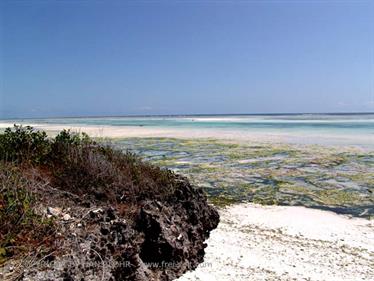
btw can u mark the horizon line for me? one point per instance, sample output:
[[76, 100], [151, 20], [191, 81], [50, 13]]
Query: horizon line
[[189, 114]]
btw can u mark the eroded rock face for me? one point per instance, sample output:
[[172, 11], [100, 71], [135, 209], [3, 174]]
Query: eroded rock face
[[174, 233], [164, 240]]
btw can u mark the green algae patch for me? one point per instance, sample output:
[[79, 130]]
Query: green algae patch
[[204, 168], [338, 197], [294, 189], [222, 201]]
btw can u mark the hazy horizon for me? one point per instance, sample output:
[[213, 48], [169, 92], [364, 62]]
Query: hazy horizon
[[78, 59]]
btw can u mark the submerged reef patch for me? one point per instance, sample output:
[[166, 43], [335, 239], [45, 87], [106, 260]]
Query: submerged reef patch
[[334, 178]]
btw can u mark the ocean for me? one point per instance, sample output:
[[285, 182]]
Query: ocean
[[353, 123], [349, 129]]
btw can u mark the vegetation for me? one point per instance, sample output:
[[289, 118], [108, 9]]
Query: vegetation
[[22, 229], [33, 165], [23, 144]]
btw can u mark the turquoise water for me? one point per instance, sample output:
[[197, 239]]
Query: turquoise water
[[324, 123]]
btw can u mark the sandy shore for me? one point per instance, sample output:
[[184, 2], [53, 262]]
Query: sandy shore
[[254, 242], [365, 141]]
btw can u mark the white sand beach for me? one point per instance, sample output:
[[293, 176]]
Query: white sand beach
[[254, 242], [306, 137]]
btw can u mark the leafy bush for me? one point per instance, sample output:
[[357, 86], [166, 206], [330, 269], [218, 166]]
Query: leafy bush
[[24, 144], [66, 137]]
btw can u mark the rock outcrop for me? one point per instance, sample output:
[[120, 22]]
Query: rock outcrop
[[161, 242], [75, 209]]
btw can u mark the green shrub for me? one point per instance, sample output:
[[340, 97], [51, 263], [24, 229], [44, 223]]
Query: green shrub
[[24, 144], [66, 137]]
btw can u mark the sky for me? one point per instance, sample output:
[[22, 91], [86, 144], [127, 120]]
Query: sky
[[93, 58]]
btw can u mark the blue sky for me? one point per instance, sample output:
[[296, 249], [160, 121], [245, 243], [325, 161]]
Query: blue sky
[[78, 58]]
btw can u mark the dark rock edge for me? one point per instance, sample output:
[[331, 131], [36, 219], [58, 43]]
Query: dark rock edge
[[163, 241]]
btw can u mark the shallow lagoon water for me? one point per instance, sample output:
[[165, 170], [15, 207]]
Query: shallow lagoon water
[[339, 179]]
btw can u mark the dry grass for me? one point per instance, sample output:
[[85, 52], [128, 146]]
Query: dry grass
[[22, 228]]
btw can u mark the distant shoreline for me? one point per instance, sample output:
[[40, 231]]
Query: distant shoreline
[[364, 141], [191, 115]]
